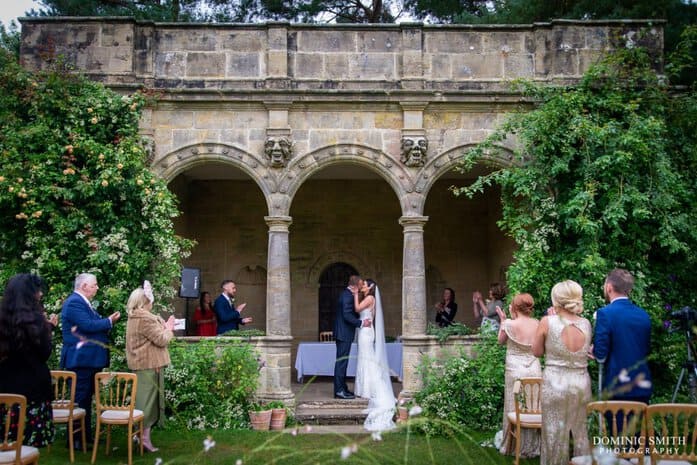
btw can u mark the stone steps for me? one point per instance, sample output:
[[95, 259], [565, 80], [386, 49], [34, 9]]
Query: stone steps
[[331, 412]]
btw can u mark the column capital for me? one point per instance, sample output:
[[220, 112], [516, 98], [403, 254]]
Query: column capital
[[278, 223], [413, 223]]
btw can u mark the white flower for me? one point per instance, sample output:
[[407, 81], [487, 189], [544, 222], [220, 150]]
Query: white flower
[[158, 461], [624, 376], [415, 410], [308, 428], [294, 431], [238, 462], [345, 452], [604, 456], [376, 436], [644, 384], [208, 444]]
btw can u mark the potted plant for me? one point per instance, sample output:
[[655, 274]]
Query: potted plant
[[403, 409], [278, 415], [259, 417]]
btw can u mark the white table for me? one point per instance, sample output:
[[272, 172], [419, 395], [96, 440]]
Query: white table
[[317, 358]]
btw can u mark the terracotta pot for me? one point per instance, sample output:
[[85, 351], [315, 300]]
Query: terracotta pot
[[278, 419], [403, 413], [260, 420]]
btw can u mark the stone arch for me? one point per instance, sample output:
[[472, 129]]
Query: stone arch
[[323, 261], [303, 167], [447, 160], [184, 158]]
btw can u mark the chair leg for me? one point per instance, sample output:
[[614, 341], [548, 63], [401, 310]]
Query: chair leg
[[129, 441], [140, 432], [108, 439], [84, 435], [517, 444], [96, 441], [71, 442]]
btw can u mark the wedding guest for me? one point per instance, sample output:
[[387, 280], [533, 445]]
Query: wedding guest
[[623, 341], [564, 337], [229, 316], [486, 311], [147, 337], [446, 308], [25, 346], [204, 316], [85, 344], [518, 333]]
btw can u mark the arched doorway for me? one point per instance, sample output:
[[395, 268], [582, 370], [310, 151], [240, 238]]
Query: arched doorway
[[332, 281]]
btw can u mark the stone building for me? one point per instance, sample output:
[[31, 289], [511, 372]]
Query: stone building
[[301, 153]]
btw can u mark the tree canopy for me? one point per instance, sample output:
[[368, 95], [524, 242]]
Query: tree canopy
[[76, 194]]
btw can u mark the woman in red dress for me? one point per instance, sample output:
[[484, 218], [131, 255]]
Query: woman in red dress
[[206, 323]]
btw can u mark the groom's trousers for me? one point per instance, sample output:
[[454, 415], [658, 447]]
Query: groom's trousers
[[343, 349]]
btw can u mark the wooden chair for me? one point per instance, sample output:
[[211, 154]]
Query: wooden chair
[[527, 393], [626, 438], [672, 433], [64, 409], [11, 450], [326, 336], [115, 395]]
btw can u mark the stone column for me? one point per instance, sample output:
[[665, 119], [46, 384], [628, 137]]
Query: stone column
[[278, 277], [275, 376], [413, 301]]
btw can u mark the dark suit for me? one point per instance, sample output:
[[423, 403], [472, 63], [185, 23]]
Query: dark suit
[[90, 356], [344, 331], [622, 342], [228, 317]]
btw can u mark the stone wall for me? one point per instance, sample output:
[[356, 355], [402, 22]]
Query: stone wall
[[301, 57]]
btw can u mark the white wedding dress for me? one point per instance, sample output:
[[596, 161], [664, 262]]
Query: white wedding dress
[[373, 373]]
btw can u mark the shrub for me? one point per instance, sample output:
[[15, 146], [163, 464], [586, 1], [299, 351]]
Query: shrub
[[463, 392], [210, 384]]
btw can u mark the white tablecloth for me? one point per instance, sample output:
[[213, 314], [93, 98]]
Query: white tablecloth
[[317, 358]]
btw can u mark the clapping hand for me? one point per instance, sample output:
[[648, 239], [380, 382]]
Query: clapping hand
[[114, 317], [247, 320], [240, 308], [169, 324], [501, 314], [53, 319]]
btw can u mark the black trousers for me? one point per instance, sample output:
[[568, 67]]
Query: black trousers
[[343, 349]]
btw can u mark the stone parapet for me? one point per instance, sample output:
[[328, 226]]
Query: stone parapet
[[301, 58]]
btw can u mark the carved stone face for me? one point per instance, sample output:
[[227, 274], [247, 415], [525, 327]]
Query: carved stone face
[[279, 150], [414, 151]]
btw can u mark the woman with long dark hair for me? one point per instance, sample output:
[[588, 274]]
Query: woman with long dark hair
[[25, 346], [204, 316], [446, 308]]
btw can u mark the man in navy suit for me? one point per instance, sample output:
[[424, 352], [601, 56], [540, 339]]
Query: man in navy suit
[[344, 331], [229, 317], [622, 341], [85, 341]]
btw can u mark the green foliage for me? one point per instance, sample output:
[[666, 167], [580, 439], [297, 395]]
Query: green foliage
[[603, 176], [10, 38], [455, 329], [76, 194], [210, 384], [463, 392]]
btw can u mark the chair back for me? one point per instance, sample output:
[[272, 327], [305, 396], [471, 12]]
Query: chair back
[[115, 391], [527, 393], [326, 336], [63, 389], [619, 426], [13, 403], [672, 432]]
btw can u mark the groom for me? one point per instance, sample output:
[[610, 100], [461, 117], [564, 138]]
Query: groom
[[344, 330]]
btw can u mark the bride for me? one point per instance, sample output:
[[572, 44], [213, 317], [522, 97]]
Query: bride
[[372, 371]]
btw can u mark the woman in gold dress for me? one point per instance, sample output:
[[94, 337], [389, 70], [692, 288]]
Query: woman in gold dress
[[564, 337], [518, 333]]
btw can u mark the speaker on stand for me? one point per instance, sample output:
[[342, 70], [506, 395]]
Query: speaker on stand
[[190, 288]]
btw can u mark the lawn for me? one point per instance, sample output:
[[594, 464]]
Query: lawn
[[187, 447]]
